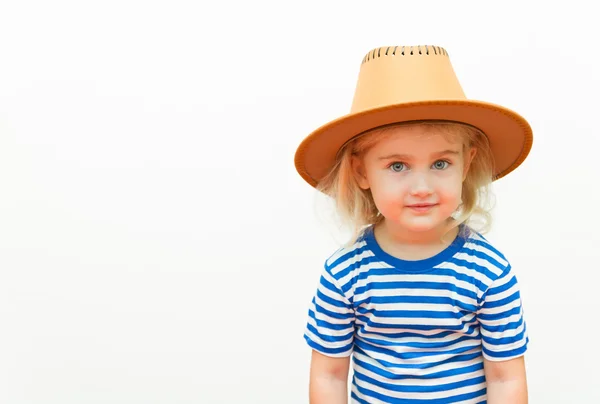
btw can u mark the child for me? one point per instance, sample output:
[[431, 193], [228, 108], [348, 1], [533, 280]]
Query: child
[[427, 308]]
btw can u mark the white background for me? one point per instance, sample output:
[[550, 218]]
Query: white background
[[156, 243]]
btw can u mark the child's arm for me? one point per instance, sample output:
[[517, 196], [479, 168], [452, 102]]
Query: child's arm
[[506, 381], [328, 379]]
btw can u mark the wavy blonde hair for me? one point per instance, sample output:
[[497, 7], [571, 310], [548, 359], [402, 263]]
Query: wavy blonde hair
[[356, 207]]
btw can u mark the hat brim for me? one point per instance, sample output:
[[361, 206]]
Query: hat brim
[[509, 134]]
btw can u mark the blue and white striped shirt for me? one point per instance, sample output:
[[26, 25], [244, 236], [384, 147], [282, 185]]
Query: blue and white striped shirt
[[418, 330]]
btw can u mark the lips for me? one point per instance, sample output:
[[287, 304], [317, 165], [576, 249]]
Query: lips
[[421, 207]]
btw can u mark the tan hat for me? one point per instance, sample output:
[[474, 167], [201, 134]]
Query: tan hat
[[412, 83]]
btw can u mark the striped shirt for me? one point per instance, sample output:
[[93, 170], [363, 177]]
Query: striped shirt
[[418, 330]]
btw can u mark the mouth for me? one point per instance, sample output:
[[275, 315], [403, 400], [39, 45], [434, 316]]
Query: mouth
[[422, 207]]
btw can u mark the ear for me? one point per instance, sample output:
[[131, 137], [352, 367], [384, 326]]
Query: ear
[[469, 156], [359, 172]]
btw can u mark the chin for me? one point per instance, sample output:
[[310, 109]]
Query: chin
[[420, 227], [421, 224]]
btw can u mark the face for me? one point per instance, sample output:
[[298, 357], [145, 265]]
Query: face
[[415, 175]]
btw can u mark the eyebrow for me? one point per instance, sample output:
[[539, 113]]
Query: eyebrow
[[408, 157]]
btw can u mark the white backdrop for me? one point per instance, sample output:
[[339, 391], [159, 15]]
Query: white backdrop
[[156, 243]]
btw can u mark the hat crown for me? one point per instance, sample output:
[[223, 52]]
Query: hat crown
[[403, 74]]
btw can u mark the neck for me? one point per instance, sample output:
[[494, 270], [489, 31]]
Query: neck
[[431, 237], [414, 245]]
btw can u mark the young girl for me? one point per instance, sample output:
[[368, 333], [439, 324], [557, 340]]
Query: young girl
[[428, 309]]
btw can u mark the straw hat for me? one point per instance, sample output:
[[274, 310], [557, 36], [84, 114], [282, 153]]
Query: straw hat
[[411, 83]]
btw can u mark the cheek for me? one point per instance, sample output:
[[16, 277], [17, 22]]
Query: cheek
[[450, 192], [388, 192]]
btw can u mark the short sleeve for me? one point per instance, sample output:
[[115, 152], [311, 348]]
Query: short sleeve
[[330, 326], [502, 323]]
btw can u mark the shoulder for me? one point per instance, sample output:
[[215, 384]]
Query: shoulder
[[483, 257], [342, 266]]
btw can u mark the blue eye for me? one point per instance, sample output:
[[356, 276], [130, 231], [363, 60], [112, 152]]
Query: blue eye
[[440, 164], [397, 167]]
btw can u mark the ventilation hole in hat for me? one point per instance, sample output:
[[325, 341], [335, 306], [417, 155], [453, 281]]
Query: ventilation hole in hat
[[404, 51]]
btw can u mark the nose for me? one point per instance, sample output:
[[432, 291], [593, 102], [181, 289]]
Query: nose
[[420, 186]]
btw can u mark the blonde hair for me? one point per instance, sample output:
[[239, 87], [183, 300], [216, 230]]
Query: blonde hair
[[356, 207]]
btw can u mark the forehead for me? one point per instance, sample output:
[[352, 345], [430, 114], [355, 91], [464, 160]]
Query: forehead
[[417, 138]]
